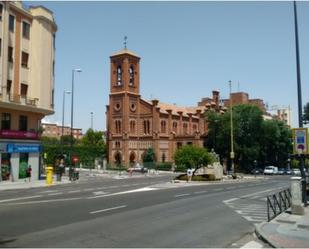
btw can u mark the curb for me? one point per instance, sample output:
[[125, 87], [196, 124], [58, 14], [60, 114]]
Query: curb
[[260, 234]]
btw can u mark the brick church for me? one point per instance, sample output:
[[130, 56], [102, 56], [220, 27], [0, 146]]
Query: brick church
[[135, 124]]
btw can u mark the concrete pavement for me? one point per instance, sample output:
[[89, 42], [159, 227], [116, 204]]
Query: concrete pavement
[[286, 230]]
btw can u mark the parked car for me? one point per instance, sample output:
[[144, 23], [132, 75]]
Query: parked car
[[139, 169], [270, 170], [281, 171], [288, 172], [296, 172], [257, 171]]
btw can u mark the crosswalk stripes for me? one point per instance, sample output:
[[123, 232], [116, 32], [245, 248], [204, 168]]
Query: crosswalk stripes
[[252, 209]]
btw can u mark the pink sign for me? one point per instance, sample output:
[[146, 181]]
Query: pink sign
[[19, 134]]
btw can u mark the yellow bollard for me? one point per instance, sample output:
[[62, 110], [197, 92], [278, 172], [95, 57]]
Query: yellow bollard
[[49, 175]]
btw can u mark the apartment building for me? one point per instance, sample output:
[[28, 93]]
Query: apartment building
[[27, 61], [56, 131]]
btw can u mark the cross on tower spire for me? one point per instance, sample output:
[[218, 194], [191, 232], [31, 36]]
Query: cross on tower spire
[[125, 42]]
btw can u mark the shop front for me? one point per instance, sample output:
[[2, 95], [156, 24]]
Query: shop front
[[16, 157]]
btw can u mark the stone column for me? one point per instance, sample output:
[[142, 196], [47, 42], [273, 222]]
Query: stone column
[[296, 191], [34, 162], [14, 167]]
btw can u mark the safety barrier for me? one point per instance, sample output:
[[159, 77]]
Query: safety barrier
[[278, 203]]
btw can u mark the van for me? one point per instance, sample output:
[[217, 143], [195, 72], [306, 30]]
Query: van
[[270, 170]]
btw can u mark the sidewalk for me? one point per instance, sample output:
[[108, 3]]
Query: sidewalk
[[286, 230], [22, 184]]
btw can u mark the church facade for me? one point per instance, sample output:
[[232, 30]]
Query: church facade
[[135, 124]]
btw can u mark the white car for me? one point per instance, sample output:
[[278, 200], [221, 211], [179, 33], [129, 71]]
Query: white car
[[270, 170], [296, 172]]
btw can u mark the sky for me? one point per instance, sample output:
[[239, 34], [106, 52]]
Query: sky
[[187, 50]]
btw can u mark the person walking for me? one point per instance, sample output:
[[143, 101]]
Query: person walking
[[189, 174], [28, 172]]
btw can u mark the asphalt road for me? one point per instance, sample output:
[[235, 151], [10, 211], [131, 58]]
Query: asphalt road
[[137, 212]]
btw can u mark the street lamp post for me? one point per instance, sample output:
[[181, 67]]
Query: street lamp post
[[231, 121], [72, 104], [300, 114], [63, 102], [91, 113]]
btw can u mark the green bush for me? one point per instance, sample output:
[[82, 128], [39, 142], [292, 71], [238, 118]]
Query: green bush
[[180, 168], [164, 166], [115, 167]]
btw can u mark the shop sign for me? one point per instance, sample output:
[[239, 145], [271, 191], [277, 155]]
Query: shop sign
[[19, 134], [23, 148]]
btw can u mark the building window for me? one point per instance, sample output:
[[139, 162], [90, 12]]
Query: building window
[[26, 30], [23, 123], [119, 76], [24, 59], [6, 121], [118, 126], [146, 127], [23, 90], [11, 23], [175, 126], [10, 54], [8, 86], [185, 128], [163, 126], [131, 72], [132, 126], [194, 128], [163, 158]]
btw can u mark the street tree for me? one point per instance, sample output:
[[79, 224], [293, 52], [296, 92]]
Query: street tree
[[191, 156]]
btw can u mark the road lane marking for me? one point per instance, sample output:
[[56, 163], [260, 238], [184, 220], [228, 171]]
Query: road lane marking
[[264, 191], [89, 189], [44, 201], [180, 195], [48, 191], [230, 200], [218, 189], [107, 209], [201, 192], [252, 244], [124, 192], [59, 193], [100, 193], [21, 198]]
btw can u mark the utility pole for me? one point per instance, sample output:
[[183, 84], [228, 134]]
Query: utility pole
[[232, 136]]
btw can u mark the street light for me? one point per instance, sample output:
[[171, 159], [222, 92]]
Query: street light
[[64, 92], [232, 138], [72, 104], [91, 113]]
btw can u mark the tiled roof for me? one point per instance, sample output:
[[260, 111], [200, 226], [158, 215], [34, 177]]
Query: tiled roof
[[125, 51]]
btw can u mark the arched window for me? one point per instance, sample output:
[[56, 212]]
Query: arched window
[[117, 158], [175, 126], [119, 76], [163, 158], [163, 126], [131, 73], [132, 126]]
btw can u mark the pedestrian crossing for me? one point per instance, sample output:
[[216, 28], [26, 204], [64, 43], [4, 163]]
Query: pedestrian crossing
[[253, 209]]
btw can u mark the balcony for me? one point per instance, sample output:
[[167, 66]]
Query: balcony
[[11, 134]]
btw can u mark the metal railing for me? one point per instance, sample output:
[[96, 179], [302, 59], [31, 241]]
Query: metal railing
[[278, 203]]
